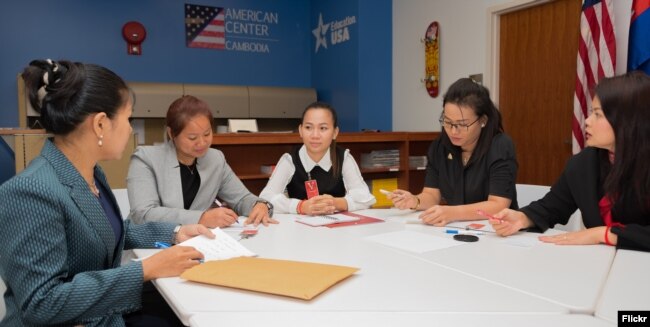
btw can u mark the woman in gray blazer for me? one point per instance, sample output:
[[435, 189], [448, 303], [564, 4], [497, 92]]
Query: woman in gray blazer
[[179, 180], [62, 235]]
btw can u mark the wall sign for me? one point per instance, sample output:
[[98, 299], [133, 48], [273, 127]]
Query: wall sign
[[229, 29], [338, 31]]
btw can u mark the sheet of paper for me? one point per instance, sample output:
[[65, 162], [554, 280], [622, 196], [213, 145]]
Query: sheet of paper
[[413, 241], [465, 225], [223, 246]]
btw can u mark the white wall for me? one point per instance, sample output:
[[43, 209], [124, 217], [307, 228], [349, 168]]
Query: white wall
[[462, 52], [622, 16]]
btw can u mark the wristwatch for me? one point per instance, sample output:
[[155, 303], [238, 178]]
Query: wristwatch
[[176, 230], [268, 205]]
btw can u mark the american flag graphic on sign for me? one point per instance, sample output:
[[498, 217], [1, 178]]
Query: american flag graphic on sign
[[596, 59], [204, 27]]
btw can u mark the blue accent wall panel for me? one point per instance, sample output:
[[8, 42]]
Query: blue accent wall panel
[[352, 67], [375, 64], [335, 70]]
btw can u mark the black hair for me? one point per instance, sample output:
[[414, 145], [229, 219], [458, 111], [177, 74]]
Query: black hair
[[326, 106], [182, 110], [625, 101], [467, 93], [65, 93]]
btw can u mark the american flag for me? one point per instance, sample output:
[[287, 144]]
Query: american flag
[[204, 27], [638, 53], [596, 59]]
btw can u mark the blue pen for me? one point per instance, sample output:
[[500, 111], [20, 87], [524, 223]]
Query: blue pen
[[161, 245], [458, 231]]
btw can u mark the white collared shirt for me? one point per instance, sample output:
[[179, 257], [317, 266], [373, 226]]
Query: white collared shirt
[[357, 195]]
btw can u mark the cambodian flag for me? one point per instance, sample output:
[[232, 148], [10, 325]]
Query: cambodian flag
[[638, 51]]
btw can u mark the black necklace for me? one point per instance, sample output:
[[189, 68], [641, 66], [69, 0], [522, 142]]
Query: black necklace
[[191, 167]]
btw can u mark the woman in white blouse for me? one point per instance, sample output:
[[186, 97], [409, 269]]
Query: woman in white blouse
[[318, 177]]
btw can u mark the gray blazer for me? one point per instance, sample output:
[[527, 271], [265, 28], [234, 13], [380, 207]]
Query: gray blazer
[[156, 193], [59, 257]]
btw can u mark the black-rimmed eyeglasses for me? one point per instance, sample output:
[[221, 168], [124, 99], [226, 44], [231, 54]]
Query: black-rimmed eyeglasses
[[448, 125]]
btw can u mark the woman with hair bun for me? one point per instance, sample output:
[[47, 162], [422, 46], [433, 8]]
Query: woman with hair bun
[[62, 235]]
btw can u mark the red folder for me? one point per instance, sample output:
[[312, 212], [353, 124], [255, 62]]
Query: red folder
[[363, 220]]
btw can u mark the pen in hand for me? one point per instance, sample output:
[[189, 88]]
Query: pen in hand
[[231, 216], [485, 214], [161, 245]]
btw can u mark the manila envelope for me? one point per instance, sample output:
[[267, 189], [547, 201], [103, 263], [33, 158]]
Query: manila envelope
[[303, 280]]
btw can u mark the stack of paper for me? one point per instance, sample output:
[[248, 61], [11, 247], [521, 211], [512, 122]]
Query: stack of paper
[[380, 159], [223, 246]]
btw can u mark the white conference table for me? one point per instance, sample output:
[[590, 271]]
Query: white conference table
[[571, 276], [470, 279], [391, 319], [627, 287]]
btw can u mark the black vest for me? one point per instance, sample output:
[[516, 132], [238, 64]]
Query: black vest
[[326, 182]]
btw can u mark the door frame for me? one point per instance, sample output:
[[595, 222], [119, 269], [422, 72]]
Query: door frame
[[493, 38]]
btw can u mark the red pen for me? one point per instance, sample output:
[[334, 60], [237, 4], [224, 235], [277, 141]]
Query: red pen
[[485, 214]]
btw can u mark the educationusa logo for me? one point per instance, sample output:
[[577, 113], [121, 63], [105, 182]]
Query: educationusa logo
[[633, 318], [338, 31]]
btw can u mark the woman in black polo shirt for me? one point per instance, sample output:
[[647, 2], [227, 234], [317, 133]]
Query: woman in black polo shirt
[[471, 166]]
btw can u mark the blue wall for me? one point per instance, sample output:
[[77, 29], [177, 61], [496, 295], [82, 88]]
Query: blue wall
[[90, 31], [335, 72], [353, 75], [375, 65]]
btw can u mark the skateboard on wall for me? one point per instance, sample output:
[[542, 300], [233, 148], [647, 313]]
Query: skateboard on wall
[[432, 59]]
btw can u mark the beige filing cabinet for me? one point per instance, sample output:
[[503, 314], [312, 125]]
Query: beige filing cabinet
[[27, 144]]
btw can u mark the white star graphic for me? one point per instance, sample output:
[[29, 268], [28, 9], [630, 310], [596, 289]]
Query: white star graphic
[[319, 32]]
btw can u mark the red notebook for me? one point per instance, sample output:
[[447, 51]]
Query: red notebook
[[362, 220]]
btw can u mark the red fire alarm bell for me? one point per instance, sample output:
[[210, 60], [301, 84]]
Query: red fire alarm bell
[[134, 34]]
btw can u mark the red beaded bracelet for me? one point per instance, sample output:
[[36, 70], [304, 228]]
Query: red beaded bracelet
[[607, 236], [299, 208]]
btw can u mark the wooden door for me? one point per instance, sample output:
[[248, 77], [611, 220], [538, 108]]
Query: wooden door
[[537, 71]]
